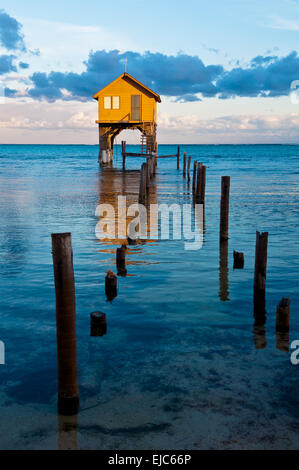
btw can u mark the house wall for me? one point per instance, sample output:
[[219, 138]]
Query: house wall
[[124, 89]]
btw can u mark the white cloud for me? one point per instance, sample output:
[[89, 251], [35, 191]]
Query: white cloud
[[277, 22]]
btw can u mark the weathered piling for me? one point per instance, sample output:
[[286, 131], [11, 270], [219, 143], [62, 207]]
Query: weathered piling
[[68, 392], [184, 165], [202, 191], [148, 177], [224, 207], [198, 181], [178, 158], [283, 325], [123, 151], [260, 340], [142, 184], [67, 438], [110, 285], [98, 324], [260, 271], [238, 260], [283, 315], [194, 177], [223, 271], [121, 260], [188, 169]]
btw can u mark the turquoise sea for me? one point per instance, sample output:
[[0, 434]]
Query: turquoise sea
[[181, 366]]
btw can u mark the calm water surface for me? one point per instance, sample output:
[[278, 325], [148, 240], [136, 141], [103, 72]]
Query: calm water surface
[[181, 366]]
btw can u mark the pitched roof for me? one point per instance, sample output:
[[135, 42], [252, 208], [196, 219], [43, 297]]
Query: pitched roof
[[132, 79]]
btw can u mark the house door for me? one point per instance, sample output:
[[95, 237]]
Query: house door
[[136, 108]]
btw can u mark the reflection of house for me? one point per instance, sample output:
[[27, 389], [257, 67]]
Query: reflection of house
[[126, 104]]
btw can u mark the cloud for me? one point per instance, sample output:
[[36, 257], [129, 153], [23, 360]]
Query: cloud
[[11, 36], [23, 65], [184, 77], [7, 64]]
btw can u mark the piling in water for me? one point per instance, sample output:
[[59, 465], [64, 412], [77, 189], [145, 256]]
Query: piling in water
[[283, 315], [223, 271], [238, 260], [194, 177], [198, 181], [68, 392], [98, 324], [178, 158], [142, 184], [111, 285], [188, 169], [224, 207], [184, 165], [121, 260], [260, 271], [202, 191], [123, 151]]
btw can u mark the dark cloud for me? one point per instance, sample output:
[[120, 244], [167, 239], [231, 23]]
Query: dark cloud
[[267, 76], [11, 36], [7, 64], [24, 65], [184, 77]]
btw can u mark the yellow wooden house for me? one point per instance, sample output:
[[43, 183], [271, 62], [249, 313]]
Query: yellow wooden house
[[126, 104]]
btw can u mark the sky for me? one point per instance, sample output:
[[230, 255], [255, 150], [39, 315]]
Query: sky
[[227, 72]]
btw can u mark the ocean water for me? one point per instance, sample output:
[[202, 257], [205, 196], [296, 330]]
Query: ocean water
[[181, 366]]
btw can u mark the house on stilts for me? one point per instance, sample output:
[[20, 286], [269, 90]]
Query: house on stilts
[[126, 104]]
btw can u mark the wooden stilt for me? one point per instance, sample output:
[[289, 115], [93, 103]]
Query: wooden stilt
[[142, 185], [260, 271], [238, 260], [111, 285], [68, 392], [98, 324], [202, 191], [184, 165], [198, 181], [224, 207], [194, 177], [178, 158], [188, 169], [283, 315], [121, 260], [123, 145]]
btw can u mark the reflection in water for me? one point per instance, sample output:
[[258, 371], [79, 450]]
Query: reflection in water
[[260, 340], [120, 189], [67, 432], [223, 270], [282, 341]]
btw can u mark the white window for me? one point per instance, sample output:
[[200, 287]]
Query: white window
[[115, 102], [107, 102]]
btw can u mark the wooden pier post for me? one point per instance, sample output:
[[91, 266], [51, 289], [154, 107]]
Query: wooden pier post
[[98, 324], [142, 185], [194, 177], [110, 285], [223, 271], [178, 158], [123, 151], [283, 315], [238, 260], [260, 271], [184, 165], [68, 392], [198, 181], [224, 207], [121, 260], [188, 169], [202, 193]]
